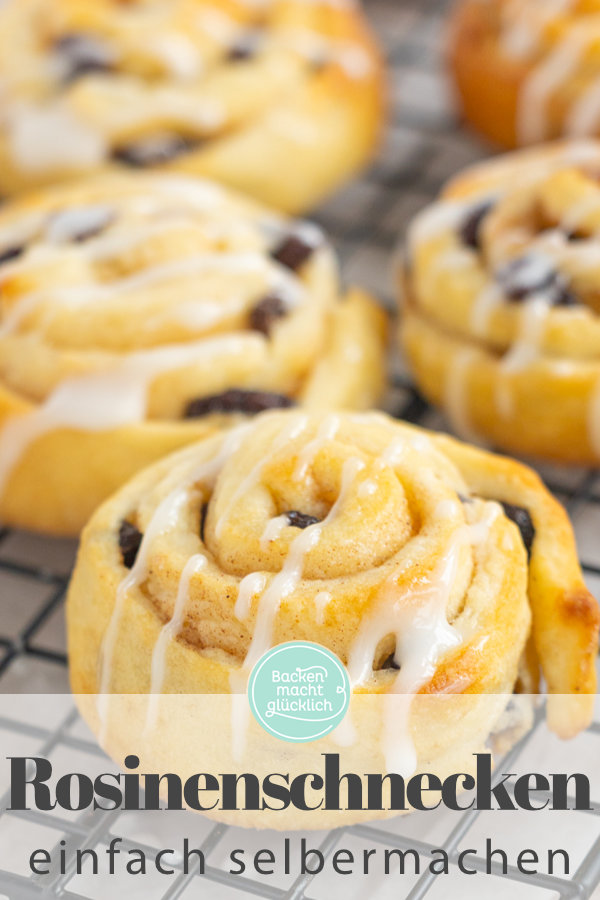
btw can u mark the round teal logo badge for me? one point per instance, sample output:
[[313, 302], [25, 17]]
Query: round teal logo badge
[[299, 691]]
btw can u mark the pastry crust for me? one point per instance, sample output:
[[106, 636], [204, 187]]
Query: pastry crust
[[501, 322], [128, 302], [281, 99], [527, 71], [409, 557]]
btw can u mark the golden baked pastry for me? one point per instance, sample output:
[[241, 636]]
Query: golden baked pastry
[[528, 71], [281, 99], [138, 313], [423, 563], [501, 320]]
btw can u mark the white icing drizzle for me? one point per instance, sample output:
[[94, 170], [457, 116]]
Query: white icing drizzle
[[393, 453], [354, 60], [327, 432], [322, 601], [70, 223], [50, 138], [420, 627], [273, 530], [88, 402], [282, 585], [522, 27], [312, 45], [169, 633], [580, 152], [489, 299], [446, 509], [309, 233], [250, 586], [165, 519], [525, 350], [423, 637], [519, 40], [417, 617], [584, 116], [178, 53], [548, 76], [195, 193], [286, 581], [289, 433], [435, 220]]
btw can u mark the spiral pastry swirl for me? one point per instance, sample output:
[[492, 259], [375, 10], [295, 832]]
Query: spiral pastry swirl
[[501, 316], [140, 313], [527, 71], [281, 99], [395, 548]]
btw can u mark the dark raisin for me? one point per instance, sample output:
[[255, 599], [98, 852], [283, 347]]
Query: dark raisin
[[319, 62], [522, 519], [566, 298], [390, 662], [534, 274], [82, 54], [154, 150], [87, 235], [11, 253], [470, 231], [300, 520], [244, 48], [236, 400], [130, 539], [203, 514], [240, 52], [266, 312], [293, 252]]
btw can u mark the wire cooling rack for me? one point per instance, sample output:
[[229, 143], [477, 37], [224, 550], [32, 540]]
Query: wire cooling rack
[[424, 146]]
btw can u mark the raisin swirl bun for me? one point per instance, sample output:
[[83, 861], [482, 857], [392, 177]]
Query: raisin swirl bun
[[501, 321], [281, 99], [138, 313], [425, 564], [527, 71]]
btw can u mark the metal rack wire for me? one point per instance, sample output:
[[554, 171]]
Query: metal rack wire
[[424, 146]]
